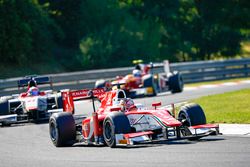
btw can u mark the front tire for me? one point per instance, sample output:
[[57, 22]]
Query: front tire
[[62, 129], [115, 123], [191, 115], [4, 106]]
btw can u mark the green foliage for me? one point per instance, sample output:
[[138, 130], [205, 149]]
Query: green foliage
[[77, 35], [15, 39], [26, 36], [123, 42], [205, 30]]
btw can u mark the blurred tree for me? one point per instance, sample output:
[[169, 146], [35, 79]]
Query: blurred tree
[[27, 33], [116, 35], [85, 34], [204, 30], [178, 30], [67, 15], [15, 36], [164, 14]]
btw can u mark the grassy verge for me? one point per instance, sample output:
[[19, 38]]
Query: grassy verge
[[231, 107], [217, 82]]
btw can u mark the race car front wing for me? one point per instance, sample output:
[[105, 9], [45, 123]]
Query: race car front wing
[[173, 133]]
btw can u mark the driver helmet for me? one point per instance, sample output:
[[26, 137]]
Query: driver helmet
[[126, 104], [129, 103], [32, 83], [137, 73], [33, 91], [138, 67]]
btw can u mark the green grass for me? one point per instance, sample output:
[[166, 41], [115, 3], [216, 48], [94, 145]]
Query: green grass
[[216, 82], [231, 107]]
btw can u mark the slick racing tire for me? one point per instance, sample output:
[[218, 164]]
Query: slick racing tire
[[175, 82], [191, 115], [4, 110], [115, 123], [148, 81], [4, 106], [51, 101], [55, 102], [59, 101], [62, 129]]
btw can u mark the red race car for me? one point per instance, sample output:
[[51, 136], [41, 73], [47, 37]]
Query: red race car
[[144, 82], [119, 121]]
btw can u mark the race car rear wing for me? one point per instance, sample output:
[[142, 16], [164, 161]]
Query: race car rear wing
[[39, 80], [68, 97]]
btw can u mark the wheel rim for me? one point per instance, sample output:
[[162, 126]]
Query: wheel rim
[[53, 132], [108, 131], [184, 117]]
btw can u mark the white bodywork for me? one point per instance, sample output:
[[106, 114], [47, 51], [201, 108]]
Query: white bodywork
[[143, 91], [140, 91], [142, 122], [201, 131], [34, 103], [30, 103]]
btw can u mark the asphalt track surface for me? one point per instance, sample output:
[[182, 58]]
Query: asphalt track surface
[[30, 145]]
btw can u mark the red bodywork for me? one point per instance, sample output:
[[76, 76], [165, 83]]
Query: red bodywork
[[131, 82], [26, 94], [93, 125]]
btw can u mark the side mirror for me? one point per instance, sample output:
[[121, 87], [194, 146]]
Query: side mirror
[[115, 109], [156, 104]]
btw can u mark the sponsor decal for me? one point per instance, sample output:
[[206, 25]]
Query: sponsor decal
[[124, 141], [150, 90]]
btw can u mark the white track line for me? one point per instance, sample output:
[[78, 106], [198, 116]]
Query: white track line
[[190, 88], [229, 83], [246, 81], [217, 85], [208, 86]]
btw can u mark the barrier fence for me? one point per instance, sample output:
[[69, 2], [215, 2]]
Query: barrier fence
[[198, 71]]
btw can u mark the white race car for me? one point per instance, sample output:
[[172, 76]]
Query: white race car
[[33, 105]]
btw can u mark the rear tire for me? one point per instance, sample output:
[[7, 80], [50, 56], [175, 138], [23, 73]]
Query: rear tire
[[175, 82], [59, 101], [148, 81], [50, 102], [62, 129], [115, 123]]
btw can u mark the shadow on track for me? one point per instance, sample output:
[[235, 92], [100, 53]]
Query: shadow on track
[[24, 123], [155, 144]]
